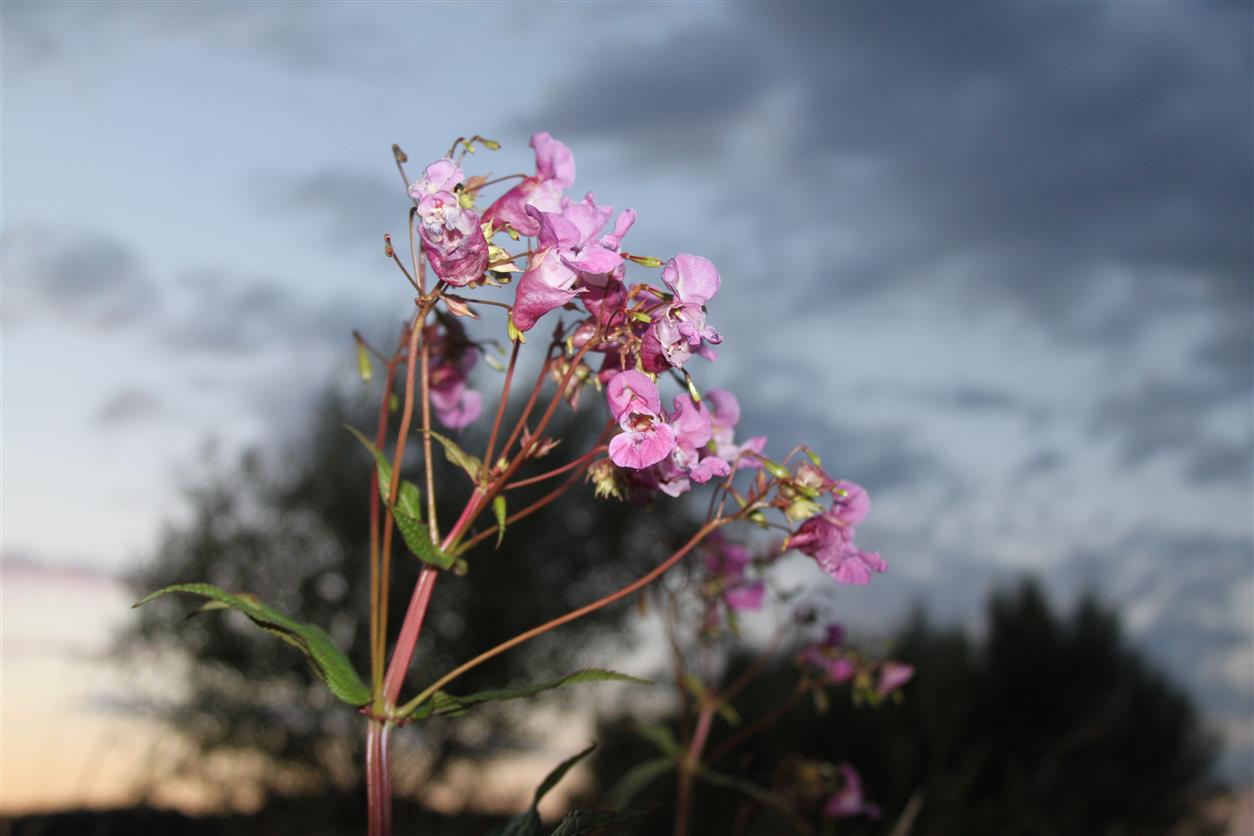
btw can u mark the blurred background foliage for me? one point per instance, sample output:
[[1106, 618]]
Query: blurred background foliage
[[1047, 723]]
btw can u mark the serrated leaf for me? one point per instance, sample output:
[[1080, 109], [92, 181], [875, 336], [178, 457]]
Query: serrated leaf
[[498, 508], [444, 704], [528, 823], [407, 512], [409, 499], [328, 661], [586, 821], [639, 777], [417, 538], [457, 455]]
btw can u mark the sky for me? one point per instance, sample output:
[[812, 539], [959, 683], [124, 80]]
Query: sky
[[993, 261]]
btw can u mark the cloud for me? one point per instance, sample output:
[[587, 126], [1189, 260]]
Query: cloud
[[40, 36], [1050, 147], [129, 405], [1161, 416], [94, 278], [352, 206]]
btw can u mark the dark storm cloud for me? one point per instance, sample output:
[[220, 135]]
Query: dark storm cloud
[[1050, 141], [880, 458], [351, 206]]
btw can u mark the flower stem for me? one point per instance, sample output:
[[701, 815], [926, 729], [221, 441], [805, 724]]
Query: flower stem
[[378, 778]]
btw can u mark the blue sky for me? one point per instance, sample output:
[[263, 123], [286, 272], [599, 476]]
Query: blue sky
[[993, 260]]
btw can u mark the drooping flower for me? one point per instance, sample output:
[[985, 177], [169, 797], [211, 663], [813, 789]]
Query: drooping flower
[[452, 237], [679, 327], [830, 542], [555, 171], [646, 438]]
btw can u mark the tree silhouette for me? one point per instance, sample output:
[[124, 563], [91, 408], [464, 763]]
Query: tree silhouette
[[1046, 726]]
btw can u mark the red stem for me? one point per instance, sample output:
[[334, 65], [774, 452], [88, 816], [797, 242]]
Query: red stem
[[407, 641]]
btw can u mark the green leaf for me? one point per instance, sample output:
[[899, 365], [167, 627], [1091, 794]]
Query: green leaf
[[407, 511], [458, 456], [449, 705], [417, 538], [586, 821], [328, 661], [498, 508], [639, 777], [527, 823], [382, 465], [363, 361], [559, 772]]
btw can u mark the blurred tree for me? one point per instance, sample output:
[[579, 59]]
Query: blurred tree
[[293, 529], [1047, 726]]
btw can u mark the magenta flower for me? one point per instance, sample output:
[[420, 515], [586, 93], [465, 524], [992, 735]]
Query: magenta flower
[[849, 801], [555, 171], [451, 235], [679, 327], [571, 247], [646, 438], [830, 542]]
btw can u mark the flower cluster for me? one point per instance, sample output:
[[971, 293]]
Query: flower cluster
[[828, 536], [643, 333]]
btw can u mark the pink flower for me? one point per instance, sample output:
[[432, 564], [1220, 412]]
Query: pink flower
[[456, 405], [849, 801], [830, 542], [451, 235], [646, 438], [555, 171], [678, 328], [572, 253], [724, 416]]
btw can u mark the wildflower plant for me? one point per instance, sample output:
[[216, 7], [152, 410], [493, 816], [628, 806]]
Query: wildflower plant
[[630, 330]]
